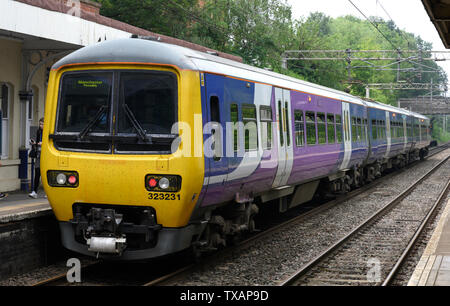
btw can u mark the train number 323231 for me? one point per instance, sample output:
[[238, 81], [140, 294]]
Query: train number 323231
[[164, 196]]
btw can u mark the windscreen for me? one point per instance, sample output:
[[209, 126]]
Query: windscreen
[[151, 99], [83, 97], [121, 110]]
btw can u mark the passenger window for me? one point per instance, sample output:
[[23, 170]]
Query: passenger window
[[365, 127], [215, 110], [331, 129], [235, 119], [288, 129], [339, 128], [299, 128], [354, 130], [215, 117], [250, 127], [374, 130], [382, 129], [280, 123], [311, 137], [321, 128], [392, 130], [359, 125], [266, 126]]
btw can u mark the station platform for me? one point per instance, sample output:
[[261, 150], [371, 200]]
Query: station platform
[[433, 268], [19, 206]]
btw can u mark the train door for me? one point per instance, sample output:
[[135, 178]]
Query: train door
[[347, 136], [284, 132], [214, 129], [405, 134], [388, 134]]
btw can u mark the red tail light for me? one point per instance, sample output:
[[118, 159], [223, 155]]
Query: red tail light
[[152, 182], [72, 179]]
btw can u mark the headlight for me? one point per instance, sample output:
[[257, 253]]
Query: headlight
[[57, 178], [61, 179], [162, 183]]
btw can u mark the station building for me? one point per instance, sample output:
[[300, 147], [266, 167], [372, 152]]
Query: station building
[[34, 34]]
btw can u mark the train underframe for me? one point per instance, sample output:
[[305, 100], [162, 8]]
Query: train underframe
[[133, 232], [227, 223]]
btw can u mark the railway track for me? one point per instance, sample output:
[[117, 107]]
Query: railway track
[[374, 251], [173, 275]]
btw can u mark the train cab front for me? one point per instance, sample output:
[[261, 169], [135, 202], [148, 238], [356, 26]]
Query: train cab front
[[110, 159]]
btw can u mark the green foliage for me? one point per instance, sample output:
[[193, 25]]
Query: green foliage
[[439, 133], [162, 17], [261, 30]]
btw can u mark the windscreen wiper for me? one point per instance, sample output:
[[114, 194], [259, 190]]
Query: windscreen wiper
[[140, 131], [93, 122]]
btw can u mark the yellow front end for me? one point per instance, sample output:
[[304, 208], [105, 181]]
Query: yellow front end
[[120, 179]]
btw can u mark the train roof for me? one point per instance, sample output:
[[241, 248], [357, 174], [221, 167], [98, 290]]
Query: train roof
[[420, 116], [133, 50], [130, 51], [387, 107]]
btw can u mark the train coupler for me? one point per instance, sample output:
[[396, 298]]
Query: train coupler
[[108, 245], [111, 229]]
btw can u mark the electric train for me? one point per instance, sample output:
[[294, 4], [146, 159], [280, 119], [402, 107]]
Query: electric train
[[151, 148]]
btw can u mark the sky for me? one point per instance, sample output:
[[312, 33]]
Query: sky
[[408, 15]]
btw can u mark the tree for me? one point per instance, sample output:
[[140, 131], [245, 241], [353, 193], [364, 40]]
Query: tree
[[164, 17]]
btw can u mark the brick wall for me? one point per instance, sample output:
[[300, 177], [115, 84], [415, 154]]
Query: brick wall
[[29, 244]]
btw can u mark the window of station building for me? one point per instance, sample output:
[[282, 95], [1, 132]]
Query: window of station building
[[265, 113], [234, 116], [339, 128], [321, 128], [331, 129], [299, 128], [250, 127], [311, 138]]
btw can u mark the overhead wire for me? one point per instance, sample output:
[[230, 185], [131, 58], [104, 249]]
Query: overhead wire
[[375, 26], [384, 36], [401, 32]]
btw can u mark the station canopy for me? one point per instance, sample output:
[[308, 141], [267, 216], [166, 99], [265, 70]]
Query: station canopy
[[439, 12]]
